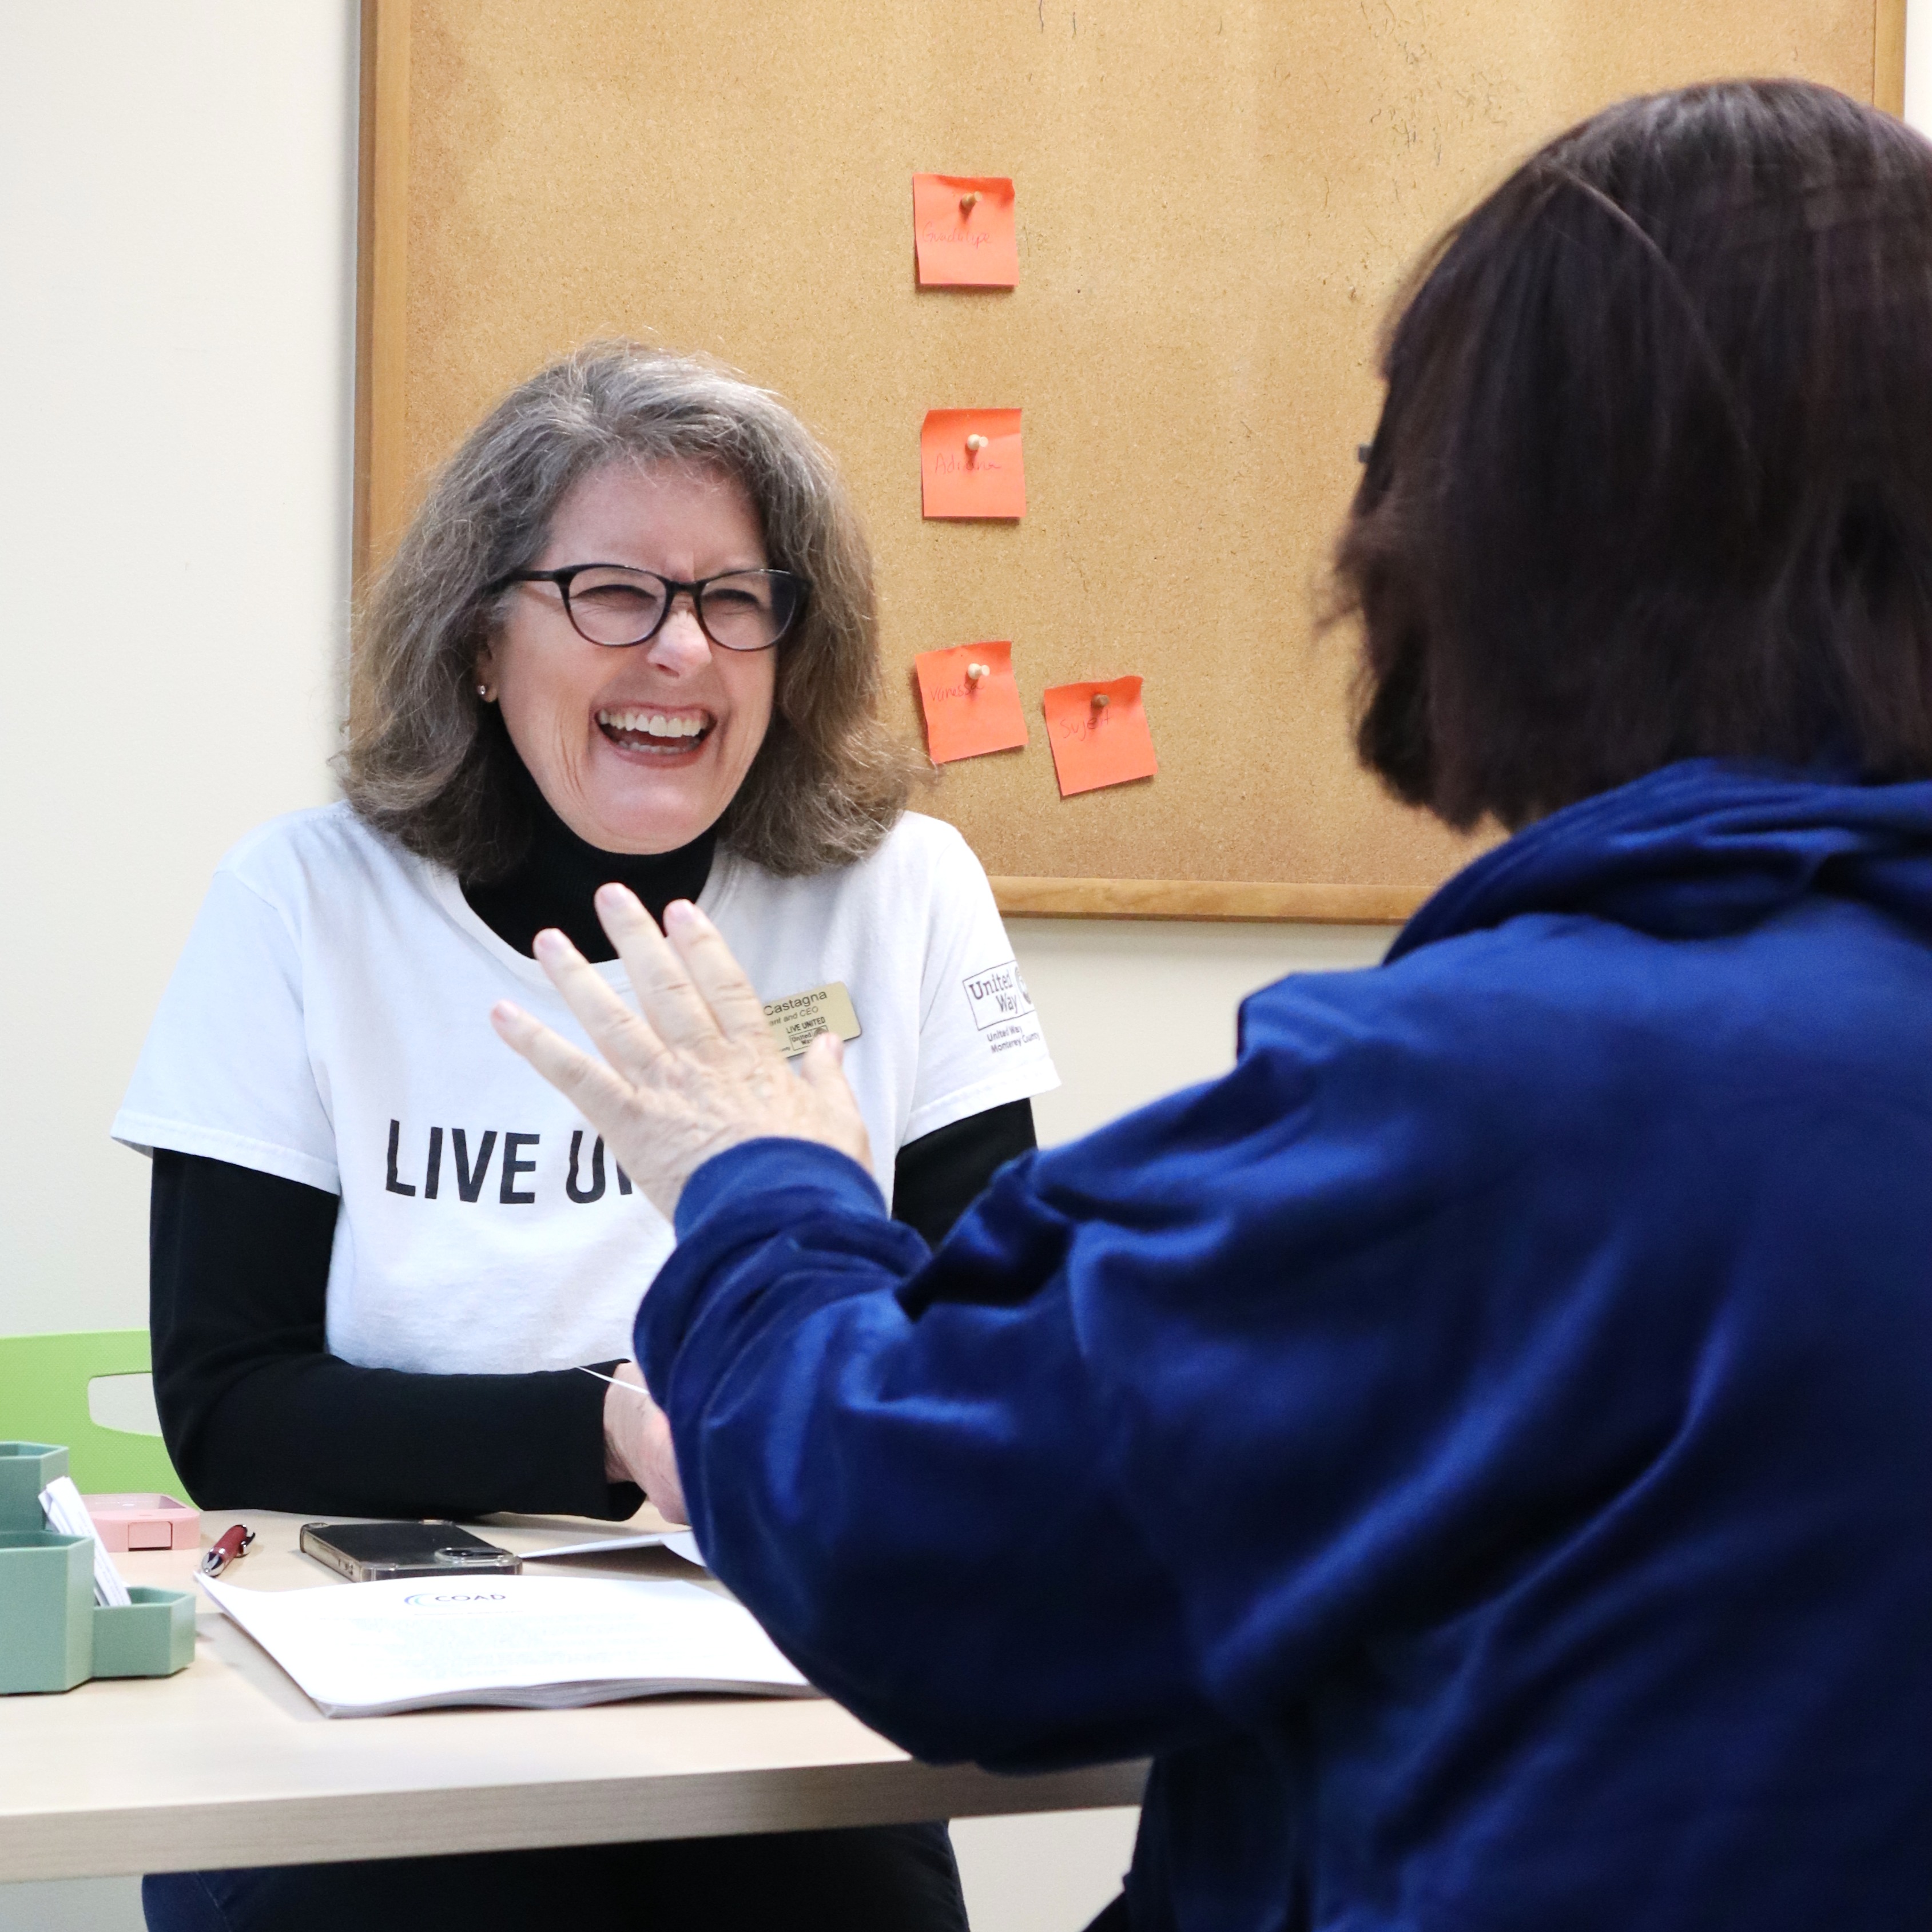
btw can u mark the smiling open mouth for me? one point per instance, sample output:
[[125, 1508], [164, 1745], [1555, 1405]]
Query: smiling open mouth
[[638, 728]]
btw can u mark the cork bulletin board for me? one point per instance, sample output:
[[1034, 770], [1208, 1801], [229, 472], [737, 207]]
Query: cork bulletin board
[[1215, 200]]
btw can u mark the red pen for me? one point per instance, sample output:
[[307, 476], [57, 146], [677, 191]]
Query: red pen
[[230, 1544]]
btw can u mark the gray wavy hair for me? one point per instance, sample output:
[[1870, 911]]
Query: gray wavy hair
[[427, 763]]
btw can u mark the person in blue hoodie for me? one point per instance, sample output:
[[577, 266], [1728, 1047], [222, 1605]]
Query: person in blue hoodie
[[1481, 1447]]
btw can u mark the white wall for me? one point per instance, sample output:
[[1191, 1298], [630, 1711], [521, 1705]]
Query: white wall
[[176, 241], [1133, 1009], [176, 230]]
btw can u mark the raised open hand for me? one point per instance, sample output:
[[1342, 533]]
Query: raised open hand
[[694, 1069]]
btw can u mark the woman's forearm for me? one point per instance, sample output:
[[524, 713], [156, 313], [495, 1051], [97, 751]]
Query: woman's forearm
[[939, 1176], [256, 1412]]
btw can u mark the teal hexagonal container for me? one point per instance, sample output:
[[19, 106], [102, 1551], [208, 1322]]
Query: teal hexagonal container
[[47, 1609], [26, 1469], [152, 1636]]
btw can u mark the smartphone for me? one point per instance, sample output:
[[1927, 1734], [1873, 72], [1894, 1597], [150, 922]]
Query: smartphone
[[366, 1552]]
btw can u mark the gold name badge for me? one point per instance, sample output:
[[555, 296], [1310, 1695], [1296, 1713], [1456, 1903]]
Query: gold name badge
[[796, 1021]]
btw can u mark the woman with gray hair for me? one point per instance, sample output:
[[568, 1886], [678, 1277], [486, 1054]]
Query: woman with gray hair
[[630, 636]]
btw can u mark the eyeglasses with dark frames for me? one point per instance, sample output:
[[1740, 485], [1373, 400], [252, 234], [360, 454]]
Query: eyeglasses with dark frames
[[613, 605]]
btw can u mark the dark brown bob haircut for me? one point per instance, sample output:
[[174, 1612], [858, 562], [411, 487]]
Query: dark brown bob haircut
[[428, 763], [1653, 478]]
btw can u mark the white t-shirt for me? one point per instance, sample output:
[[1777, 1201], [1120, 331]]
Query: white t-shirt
[[329, 1022]]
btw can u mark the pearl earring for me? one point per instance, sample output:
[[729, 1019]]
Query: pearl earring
[[483, 692]]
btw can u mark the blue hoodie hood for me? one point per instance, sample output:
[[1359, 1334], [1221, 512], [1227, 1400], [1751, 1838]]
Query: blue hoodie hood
[[1700, 849]]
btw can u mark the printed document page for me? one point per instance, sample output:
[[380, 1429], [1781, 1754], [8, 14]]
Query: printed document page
[[363, 1650]]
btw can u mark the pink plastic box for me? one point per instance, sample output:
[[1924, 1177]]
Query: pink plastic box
[[145, 1521]]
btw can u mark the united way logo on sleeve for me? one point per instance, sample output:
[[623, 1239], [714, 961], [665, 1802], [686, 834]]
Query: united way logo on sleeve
[[1001, 1009]]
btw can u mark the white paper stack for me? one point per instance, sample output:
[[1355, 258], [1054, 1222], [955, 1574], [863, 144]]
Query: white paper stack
[[679, 1542], [363, 1650], [62, 1505]]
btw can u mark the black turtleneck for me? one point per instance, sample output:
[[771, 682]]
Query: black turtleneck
[[255, 1410], [555, 881]]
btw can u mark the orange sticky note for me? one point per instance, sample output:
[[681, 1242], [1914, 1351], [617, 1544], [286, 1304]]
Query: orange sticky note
[[1096, 745], [970, 465], [963, 232], [966, 715]]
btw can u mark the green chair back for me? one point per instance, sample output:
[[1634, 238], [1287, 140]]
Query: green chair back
[[43, 1385]]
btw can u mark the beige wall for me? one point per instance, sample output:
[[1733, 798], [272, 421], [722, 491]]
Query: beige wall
[[177, 236], [1134, 1010], [177, 248]]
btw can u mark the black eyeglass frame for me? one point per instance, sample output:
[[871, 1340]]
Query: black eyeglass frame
[[672, 586]]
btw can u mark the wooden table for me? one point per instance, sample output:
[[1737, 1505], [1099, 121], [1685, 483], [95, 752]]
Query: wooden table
[[229, 1764]]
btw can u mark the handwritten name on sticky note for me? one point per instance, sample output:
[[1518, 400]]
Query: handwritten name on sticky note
[[1099, 733], [963, 232], [970, 464], [971, 702]]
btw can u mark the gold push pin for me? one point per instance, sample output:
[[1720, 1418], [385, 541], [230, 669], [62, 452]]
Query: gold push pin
[[974, 672], [1100, 700], [974, 444], [968, 202]]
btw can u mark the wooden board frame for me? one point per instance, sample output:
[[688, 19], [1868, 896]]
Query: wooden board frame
[[1888, 57], [382, 281], [382, 478]]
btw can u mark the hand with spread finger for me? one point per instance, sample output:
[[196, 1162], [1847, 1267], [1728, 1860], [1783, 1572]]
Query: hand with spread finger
[[693, 1069]]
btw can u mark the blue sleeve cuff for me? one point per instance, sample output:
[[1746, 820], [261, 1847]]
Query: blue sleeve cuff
[[733, 1207], [764, 1166]]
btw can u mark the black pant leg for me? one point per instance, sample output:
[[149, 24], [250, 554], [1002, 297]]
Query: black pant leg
[[883, 1878]]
